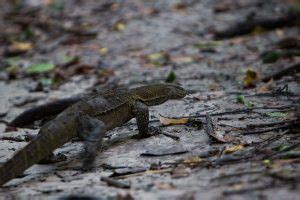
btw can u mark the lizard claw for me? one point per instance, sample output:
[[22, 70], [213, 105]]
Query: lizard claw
[[87, 164], [53, 159], [154, 131], [151, 131]]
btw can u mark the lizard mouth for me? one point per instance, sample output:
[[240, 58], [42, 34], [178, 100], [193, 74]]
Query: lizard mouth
[[182, 93], [178, 92]]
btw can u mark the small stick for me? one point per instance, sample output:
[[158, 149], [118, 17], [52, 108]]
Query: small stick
[[15, 139], [248, 189], [283, 72], [269, 124], [174, 137], [115, 183], [237, 111], [269, 129], [291, 147], [225, 176]]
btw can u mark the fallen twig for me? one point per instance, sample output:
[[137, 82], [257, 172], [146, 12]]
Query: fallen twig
[[282, 72], [251, 126], [15, 139], [270, 129], [270, 140], [161, 171], [174, 137], [115, 183], [248, 189], [279, 154], [225, 176], [248, 26], [164, 152], [242, 110]]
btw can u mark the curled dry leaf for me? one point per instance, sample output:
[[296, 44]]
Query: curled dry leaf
[[265, 87], [216, 134], [173, 121]]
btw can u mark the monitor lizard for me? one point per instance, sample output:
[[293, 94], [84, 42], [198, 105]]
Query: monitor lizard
[[89, 119]]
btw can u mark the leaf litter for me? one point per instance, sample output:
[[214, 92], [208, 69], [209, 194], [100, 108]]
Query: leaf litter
[[136, 43]]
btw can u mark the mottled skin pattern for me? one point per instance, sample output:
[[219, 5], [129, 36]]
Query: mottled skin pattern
[[90, 119]]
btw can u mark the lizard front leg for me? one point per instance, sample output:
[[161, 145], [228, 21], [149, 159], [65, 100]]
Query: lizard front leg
[[93, 131], [141, 113]]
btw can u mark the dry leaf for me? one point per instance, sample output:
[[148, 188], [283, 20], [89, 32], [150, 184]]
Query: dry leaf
[[164, 186], [280, 33], [158, 59], [22, 46], [266, 87], [182, 59], [251, 77], [103, 51], [181, 171], [258, 30], [193, 160], [119, 26], [173, 121], [234, 148], [180, 7]]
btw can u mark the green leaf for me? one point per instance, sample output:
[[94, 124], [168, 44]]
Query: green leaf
[[270, 57], [12, 61], [40, 68], [46, 81], [249, 104], [240, 99], [12, 69], [57, 7], [171, 77], [295, 8], [70, 59], [12, 65], [277, 114], [25, 34]]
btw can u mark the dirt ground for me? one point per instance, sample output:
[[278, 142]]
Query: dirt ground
[[82, 45]]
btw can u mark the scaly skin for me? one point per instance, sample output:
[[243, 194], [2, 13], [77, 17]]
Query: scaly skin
[[90, 119]]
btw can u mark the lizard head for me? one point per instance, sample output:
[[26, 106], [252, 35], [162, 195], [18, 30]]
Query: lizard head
[[155, 94], [174, 91]]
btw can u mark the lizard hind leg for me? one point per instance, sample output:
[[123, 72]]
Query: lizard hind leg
[[52, 158], [93, 131]]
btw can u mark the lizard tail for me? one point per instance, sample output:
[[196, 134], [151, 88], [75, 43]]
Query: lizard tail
[[31, 154]]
